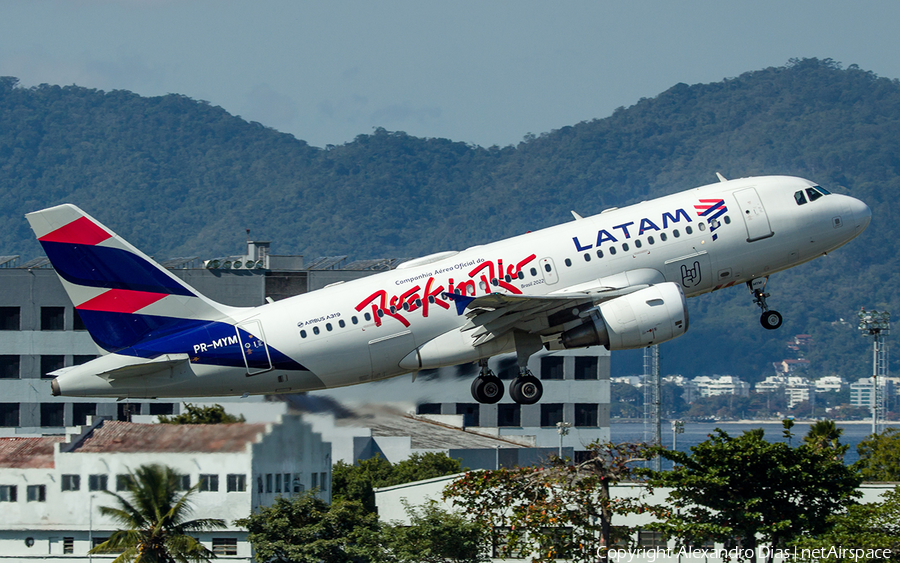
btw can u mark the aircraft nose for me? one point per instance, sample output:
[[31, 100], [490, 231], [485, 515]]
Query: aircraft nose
[[861, 213]]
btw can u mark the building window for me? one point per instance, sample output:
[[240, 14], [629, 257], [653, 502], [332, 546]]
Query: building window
[[586, 367], [162, 408], [123, 482], [586, 414], [80, 412], [323, 481], [10, 318], [315, 481], [52, 414], [259, 484], [429, 408], [97, 482], [509, 415], [551, 413], [552, 367], [9, 414], [236, 483], [68, 545], [51, 364], [298, 486], [224, 546], [53, 318], [268, 482], [209, 483], [9, 367], [470, 412], [287, 482], [36, 493], [71, 482], [8, 493], [79, 359], [95, 541], [651, 539], [77, 323], [184, 482], [126, 410]]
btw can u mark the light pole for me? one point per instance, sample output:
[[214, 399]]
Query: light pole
[[562, 428], [878, 325], [90, 527], [677, 428]]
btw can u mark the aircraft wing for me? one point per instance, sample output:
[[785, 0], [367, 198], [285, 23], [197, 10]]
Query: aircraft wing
[[491, 316]]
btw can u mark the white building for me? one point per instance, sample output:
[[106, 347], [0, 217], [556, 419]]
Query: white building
[[690, 391], [861, 392], [721, 385], [51, 487], [830, 383], [796, 388]]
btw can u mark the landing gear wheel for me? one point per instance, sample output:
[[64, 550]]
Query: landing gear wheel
[[771, 320], [487, 389], [526, 390]]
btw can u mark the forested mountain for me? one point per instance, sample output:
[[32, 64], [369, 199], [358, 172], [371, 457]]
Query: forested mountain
[[177, 177]]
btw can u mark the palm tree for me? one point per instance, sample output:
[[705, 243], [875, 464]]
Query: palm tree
[[825, 435], [154, 521]]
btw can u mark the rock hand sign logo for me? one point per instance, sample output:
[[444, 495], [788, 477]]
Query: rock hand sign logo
[[690, 277]]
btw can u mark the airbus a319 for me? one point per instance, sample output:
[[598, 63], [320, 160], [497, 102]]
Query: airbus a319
[[618, 279]]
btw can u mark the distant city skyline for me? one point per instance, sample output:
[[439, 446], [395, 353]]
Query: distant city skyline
[[484, 73]]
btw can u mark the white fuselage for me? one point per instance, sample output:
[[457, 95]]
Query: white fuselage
[[370, 328]]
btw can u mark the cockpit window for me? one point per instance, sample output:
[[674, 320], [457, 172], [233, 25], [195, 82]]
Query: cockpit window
[[821, 190], [799, 197], [813, 194]]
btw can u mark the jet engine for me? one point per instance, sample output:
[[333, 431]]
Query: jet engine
[[649, 316]]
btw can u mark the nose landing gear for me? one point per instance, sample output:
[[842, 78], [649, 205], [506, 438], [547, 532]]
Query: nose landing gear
[[769, 319]]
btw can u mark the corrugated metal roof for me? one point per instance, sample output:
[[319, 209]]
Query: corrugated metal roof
[[28, 453], [127, 437]]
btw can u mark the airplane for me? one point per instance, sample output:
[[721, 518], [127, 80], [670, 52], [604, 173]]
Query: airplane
[[617, 279]]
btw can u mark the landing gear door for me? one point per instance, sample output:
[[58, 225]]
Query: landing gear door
[[548, 269], [253, 346], [754, 214], [692, 272]]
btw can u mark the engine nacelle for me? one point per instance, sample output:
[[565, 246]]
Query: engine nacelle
[[649, 316]]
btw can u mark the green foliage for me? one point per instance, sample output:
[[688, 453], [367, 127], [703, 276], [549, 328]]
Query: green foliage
[[356, 482], [870, 527], [559, 511], [153, 515], [305, 529], [202, 415], [751, 491], [879, 456], [147, 167], [435, 536], [824, 435]]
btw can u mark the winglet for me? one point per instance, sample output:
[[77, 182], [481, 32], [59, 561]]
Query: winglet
[[462, 301], [721, 178]]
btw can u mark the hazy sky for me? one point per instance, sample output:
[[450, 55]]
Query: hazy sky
[[483, 72]]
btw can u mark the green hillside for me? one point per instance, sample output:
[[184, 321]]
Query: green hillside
[[180, 177]]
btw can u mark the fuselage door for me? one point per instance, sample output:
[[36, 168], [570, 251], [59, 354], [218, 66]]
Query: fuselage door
[[548, 268], [754, 214], [253, 346]]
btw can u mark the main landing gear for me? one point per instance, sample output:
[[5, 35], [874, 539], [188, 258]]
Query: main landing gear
[[769, 319], [487, 388]]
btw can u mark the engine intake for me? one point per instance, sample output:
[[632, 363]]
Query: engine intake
[[649, 316]]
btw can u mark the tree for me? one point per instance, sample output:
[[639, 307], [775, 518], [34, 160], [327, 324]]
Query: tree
[[746, 491], [435, 536], [879, 456], [154, 519], [562, 510], [825, 435], [305, 529], [872, 526], [202, 415], [356, 482]]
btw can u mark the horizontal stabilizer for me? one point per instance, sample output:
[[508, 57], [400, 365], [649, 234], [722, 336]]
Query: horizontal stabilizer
[[114, 366]]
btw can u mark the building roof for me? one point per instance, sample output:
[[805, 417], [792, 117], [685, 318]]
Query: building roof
[[28, 453], [128, 437]]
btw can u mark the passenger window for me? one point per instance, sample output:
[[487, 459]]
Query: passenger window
[[625, 247], [612, 249], [548, 268], [727, 220], [799, 197], [587, 257], [521, 275], [689, 230], [368, 317], [663, 237], [315, 330], [675, 233], [650, 240], [599, 253], [533, 272], [354, 320], [637, 243], [302, 334], [813, 194], [341, 323], [568, 262]]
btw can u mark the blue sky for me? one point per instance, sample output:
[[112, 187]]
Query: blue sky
[[482, 72]]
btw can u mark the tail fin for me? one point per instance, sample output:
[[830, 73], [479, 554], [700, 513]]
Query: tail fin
[[121, 294]]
